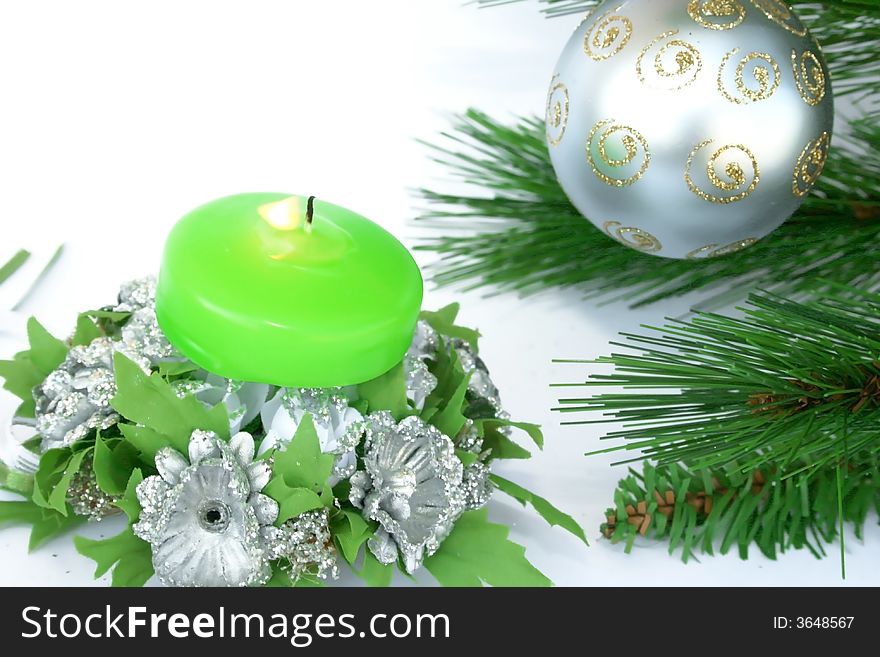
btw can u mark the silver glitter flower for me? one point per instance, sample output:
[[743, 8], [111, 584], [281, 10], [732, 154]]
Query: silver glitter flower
[[141, 332], [412, 485], [480, 384], [136, 294], [204, 517], [339, 427], [75, 397], [243, 401], [420, 382], [305, 544]]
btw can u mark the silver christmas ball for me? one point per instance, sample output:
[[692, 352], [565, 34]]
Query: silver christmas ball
[[689, 128]]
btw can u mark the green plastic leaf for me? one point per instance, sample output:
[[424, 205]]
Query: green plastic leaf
[[58, 497], [443, 321], [450, 419], [128, 556], [478, 552], [375, 573], [20, 375], [56, 470], [280, 578], [129, 502], [302, 464], [291, 501], [113, 462], [47, 352], [168, 368], [466, 458], [502, 447], [533, 430], [146, 441], [350, 531], [550, 513], [151, 402], [387, 392], [86, 331], [45, 523], [51, 524]]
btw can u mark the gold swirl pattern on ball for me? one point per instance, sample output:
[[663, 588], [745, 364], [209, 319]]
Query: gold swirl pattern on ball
[[677, 63], [808, 76], [779, 12], [608, 35], [765, 71], [557, 111], [635, 238], [717, 14], [732, 178], [632, 143], [810, 165], [716, 251]]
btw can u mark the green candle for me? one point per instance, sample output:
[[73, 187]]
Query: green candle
[[276, 289]]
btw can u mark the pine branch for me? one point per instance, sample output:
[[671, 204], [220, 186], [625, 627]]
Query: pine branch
[[704, 511], [517, 231], [787, 383]]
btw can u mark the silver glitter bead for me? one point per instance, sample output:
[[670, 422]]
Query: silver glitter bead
[[86, 498], [305, 544], [412, 485], [204, 518]]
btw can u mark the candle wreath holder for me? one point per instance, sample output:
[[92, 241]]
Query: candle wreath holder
[[241, 484]]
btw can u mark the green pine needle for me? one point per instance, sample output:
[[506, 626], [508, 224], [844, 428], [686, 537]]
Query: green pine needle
[[517, 231], [788, 383], [709, 511]]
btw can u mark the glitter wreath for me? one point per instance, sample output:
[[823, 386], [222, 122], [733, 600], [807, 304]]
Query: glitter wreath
[[227, 483]]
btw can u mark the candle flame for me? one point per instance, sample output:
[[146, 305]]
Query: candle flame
[[285, 214]]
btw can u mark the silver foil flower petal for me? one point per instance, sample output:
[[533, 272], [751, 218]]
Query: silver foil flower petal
[[205, 522], [412, 485]]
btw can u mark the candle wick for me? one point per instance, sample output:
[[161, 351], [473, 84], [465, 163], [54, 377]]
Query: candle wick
[[310, 210]]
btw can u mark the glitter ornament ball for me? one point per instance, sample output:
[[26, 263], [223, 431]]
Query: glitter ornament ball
[[689, 128]]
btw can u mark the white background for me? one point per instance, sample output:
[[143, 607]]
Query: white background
[[118, 117]]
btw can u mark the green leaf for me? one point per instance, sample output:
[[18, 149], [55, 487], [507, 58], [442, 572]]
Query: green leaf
[[47, 352], [86, 331], [168, 368], [45, 523], [113, 462], [129, 502], [450, 419], [502, 447], [477, 552], [128, 556], [280, 578], [302, 464], [151, 402], [21, 376], [350, 531], [51, 524], [443, 321], [14, 264], [19, 512], [387, 392], [146, 441], [550, 513], [291, 501], [374, 573], [466, 458], [58, 497], [533, 430]]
